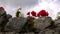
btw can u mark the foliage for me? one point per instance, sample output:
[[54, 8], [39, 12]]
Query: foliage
[[29, 26], [17, 14]]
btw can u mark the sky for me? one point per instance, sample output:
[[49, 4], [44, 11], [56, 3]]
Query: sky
[[51, 6]]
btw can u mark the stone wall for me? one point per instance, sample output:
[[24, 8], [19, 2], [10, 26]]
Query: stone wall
[[16, 25]]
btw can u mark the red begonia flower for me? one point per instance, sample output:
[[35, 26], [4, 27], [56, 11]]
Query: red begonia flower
[[42, 13], [38, 14], [33, 13], [47, 14], [1, 8], [28, 13]]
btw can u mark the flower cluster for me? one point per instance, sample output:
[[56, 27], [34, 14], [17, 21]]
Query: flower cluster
[[40, 13], [33, 13]]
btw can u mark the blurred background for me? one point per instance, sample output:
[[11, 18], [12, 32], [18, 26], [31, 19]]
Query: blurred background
[[51, 6]]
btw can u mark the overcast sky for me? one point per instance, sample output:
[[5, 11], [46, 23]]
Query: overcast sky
[[52, 6]]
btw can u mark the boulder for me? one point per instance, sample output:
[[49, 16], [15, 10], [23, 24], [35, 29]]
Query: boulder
[[42, 22], [9, 16], [16, 23], [57, 22], [29, 33], [3, 19], [49, 31], [2, 13]]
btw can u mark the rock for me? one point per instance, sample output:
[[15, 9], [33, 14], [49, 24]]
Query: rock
[[57, 22], [2, 15], [1, 33], [16, 23], [9, 32], [58, 29], [3, 12], [42, 22], [9, 16], [49, 31], [29, 33], [3, 19]]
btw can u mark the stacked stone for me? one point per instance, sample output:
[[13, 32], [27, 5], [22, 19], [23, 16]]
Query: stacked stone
[[57, 22], [42, 22], [49, 31], [16, 23], [3, 18], [9, 16]]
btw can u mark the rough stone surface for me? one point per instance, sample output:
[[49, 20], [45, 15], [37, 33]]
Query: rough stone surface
[[16, 23], [57, 22], [3, 12], [9, 16], [49, 31], [15, 33], [9, 32], [42, 22], [3, 19], [29, 33], [1, 33]]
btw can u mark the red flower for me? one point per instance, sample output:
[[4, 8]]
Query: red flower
[[1, 8], [42, 13], [38, 14], [28, 13], [47, 14], [33, 13]]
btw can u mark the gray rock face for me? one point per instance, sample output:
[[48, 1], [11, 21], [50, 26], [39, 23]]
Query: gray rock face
[[15, 33], [1, 33], [42, 22], [57, 22], [49, 31], [16, 23], [3, 12], [9, 32], [3, 19], [29, 33], [9, 16]]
